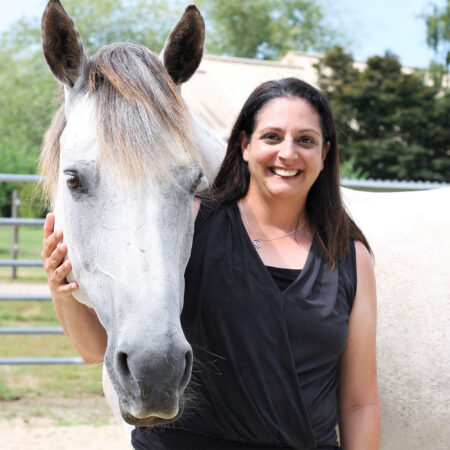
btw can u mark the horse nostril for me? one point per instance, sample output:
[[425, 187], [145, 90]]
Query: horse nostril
[[122, 364], [187, 369]]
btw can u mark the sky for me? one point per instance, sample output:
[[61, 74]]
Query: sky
[[373, 25]]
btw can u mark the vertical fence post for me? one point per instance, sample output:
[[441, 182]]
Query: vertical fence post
[[15, 231]]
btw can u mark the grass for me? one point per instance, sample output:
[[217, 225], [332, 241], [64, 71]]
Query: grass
[[30, 246], [58, 381], [32, 381], [16, 314]]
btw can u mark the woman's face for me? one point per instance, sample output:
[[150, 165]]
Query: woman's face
[[286, 152]]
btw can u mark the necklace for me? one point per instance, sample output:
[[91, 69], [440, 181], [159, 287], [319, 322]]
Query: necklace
[[257, 243]]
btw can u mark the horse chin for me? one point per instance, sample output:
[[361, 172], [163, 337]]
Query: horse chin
[[149, 421]]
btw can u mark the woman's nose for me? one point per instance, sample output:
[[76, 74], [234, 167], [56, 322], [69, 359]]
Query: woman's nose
[[288, 150]]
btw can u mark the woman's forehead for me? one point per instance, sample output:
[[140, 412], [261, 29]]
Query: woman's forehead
[[292, 112]]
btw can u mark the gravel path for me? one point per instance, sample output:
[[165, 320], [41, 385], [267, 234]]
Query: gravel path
[[18, 434], [37, 423], [7, 288]]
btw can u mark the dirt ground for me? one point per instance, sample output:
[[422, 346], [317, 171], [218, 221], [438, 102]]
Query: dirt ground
[[43, 424], [14, 287]]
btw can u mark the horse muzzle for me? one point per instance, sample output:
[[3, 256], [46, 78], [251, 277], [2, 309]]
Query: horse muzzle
[[150, 379]]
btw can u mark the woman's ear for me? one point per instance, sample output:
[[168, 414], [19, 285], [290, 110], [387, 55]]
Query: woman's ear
[[244, 145], [325, 150]]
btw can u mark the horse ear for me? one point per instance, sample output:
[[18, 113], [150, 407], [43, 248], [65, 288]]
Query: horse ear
[[184, 47], [63, 49]]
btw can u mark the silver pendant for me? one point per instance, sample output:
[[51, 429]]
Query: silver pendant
[[256, 243]]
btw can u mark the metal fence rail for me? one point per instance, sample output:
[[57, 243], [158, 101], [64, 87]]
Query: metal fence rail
[[8, 222], [39, 361], [391, 185], [25, 298], [20, 178], [34, 330], [20, 263]]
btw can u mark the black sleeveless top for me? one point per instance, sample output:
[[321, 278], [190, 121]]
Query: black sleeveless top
[[266, 356]]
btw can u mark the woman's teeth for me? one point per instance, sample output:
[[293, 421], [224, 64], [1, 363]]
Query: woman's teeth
[[285, 173]]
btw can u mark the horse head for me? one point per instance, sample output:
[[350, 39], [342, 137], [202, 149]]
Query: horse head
[[122, 165]]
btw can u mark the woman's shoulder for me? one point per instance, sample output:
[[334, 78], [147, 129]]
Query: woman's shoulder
[[365, 272], [364, 261]]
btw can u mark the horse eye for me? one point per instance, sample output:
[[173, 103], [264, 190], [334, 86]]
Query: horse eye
[[73, 182], [196, 183]]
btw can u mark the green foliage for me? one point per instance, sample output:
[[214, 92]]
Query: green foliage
[[350, 171], [143, 21], [27, 102], [266, 29], [438, 31], [438, 38], [390, 124]]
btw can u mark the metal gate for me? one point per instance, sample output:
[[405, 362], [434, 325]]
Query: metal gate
[[17, 222]]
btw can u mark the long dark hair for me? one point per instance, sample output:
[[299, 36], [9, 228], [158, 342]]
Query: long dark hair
[[327, 217]]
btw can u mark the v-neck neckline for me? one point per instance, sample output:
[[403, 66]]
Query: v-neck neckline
[[303, 271]]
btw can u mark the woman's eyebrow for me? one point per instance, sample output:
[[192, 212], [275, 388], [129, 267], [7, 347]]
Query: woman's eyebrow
[[302, 130]]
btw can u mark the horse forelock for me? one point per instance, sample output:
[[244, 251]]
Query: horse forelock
[[49, 157], [143, 126]]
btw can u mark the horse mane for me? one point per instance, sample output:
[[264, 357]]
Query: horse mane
[[143, 125]]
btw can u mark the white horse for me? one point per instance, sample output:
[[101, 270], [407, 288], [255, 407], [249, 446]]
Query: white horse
[[408, 232], [122, 168], [123, 159]]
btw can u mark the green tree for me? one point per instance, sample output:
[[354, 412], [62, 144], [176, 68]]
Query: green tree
[[266, 29], [438, 38], [391, 125], [27, 102]]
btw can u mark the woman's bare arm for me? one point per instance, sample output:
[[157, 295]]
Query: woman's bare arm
[[79, 322], [359, 406]]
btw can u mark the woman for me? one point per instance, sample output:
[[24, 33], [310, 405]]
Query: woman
[[280, 303]]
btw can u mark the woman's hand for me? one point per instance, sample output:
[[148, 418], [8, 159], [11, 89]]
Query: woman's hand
[[53, 253]]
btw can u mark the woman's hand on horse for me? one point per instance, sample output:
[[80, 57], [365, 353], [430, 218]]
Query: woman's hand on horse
[[53, 252]]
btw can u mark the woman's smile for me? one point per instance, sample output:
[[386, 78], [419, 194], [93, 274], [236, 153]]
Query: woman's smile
[[285, 173]]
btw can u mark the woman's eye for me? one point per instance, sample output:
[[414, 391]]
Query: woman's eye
[[306, 140], [271, 137], [73, 182]]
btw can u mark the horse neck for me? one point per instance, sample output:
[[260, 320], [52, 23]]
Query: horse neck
[[211, 148]]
